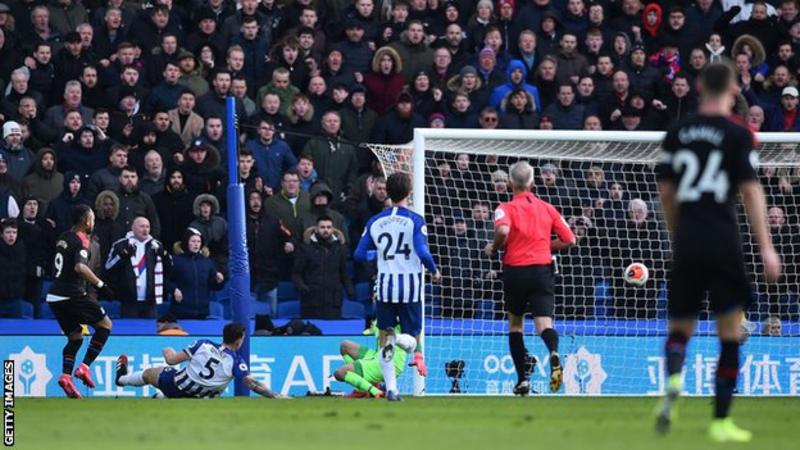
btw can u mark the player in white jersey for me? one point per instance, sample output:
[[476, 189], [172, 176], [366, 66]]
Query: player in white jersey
[[208, 370], [400, 238]]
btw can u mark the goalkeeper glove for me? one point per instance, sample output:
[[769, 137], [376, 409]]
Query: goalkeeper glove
[[104, 291], [419, 363]]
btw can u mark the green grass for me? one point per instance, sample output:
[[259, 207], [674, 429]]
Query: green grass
[[416, 423]]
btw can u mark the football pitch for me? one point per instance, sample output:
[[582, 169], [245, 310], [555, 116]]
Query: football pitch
[[414, 424]]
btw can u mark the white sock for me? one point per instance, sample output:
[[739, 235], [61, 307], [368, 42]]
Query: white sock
[[389, 375], [133, 379]]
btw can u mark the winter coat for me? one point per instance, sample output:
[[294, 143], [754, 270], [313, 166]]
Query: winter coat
[[214, 231], [123, 275], [54, 116], [289, 213], [134, 204], [192, 129], [206, 177], [13, 259], [212, 104], [272, 160], [511, 119], [175, 213], [45, 186], [164, 96], [501, 92], [320, 274], [106, 228], [74, 158], [415, 57], [307, 125], [105, 179], [266, 237], [196, 276], [335, 162], [382, 89], [565, 117], [391, 129], [59, 211], [19, 161], [309, 218]]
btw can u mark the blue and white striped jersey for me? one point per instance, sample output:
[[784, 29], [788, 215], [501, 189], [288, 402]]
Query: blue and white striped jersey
[[400, 237], [209, 370]]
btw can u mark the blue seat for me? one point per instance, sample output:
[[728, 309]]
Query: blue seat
[[288, 309], [352, 310], [162, 309], [351, 269], [216, 311], [259, 308], [45, 312], [26, 310], [286, 291], [46, 283], [112, 308]]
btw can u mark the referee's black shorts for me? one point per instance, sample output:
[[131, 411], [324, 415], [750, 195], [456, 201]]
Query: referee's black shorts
[[77, 311], [529, 289]]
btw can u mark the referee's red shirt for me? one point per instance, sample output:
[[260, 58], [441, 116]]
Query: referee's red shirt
[[532, 223]]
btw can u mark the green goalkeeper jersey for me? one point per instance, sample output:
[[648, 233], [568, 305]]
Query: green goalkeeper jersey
[[369, 367]]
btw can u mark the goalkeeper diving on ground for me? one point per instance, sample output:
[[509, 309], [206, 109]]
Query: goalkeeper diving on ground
[[362, 368]]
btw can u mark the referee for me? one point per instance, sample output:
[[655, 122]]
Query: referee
[[525, 226]]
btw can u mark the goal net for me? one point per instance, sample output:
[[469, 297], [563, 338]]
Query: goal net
[[604, 185]]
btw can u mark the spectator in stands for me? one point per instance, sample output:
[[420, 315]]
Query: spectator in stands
[[167, 140], [213, 134], [461, 114], [270, 246], [571, 64], [19, 88], [10, 192], [301, 122], [779, 118], [191, 76], [467, 80], [273, 156], [59, 211], [201, 167], [397, 126], [139, 265], [679, 103], [108, 177], [153, 178], [213, 103], [308, 175], [107, 229], [612, 104], [165, 95], [413, 49], [322, 200], [755, 118], [81, 153], [516, 73], [13, 259], [320, 271], [565, 113], [134, 203], [290, 203], [174, 206], [213, 227], [335, 161], [358, 120], [642, 76], [45, 182], [70, 61], [193, 277], [355, 49], [18, 158], [73, 94], [385, 79], [772, 327], [185, 122], [545, 80], [519, 111]]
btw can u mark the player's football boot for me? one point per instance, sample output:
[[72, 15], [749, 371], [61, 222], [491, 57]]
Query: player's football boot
[[122, 368], [393, 396], [419, 363], [666, 412], [522, 388], [556, 372], [724, 430], [65, 381], [85, 375]]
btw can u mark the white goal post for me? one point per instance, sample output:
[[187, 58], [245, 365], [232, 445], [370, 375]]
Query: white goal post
[[611, 333]]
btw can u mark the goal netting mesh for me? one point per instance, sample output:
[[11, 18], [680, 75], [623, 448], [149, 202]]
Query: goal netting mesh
[[604, 185]]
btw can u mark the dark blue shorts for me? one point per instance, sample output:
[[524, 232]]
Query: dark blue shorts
[[166, 382], [408, 315]]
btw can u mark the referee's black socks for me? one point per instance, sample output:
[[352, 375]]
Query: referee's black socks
[[550, 338], [516, 344], [727, 370]]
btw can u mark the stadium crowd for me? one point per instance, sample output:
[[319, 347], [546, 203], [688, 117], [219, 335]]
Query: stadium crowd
[[119, 104]]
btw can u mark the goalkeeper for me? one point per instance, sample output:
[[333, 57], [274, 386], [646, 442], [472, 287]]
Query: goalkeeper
[[362, 368]]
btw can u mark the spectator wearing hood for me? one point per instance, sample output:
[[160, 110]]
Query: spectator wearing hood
[[385, 80], [107, 229], [213, 228], [19, 159], [193, 277], [320, 271], [335, 161], [59, 211], [322, 200], [302, 121], [397, 125], [45, 182], [516, 73], [174, 206], [201, 168], [468, 80]]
